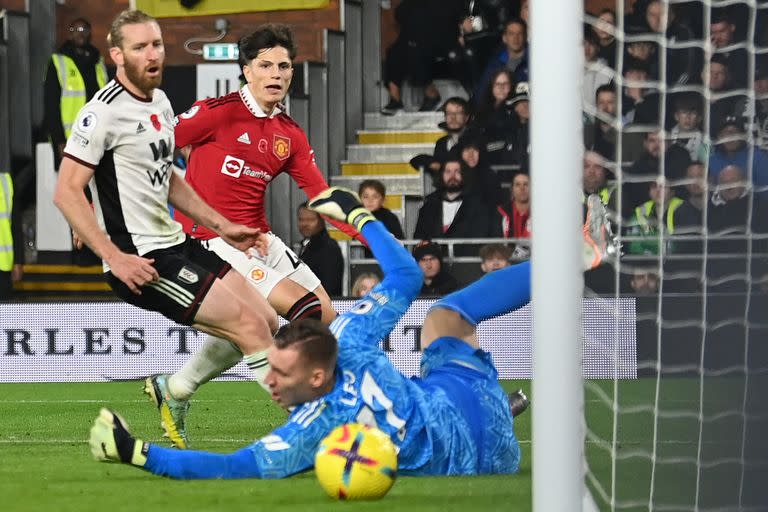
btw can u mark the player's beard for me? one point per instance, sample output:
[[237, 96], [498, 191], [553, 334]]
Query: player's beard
[[138, 77]]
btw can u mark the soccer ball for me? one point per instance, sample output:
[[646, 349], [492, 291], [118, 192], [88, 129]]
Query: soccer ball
[[356, 462]]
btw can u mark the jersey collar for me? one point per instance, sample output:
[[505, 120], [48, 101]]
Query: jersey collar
[[253, 106]]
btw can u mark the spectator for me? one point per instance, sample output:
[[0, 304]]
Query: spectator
[[450, 212], [732, 149], [480, 34], [11, 253], [720, 84], [599, 134], [512, 56], [683, 64], [494, 257], [479, 177], [372, 194], [686, 132], [650, 216], [437, 281], [648, 166], [689, 218], [640, 104], [597, 73], [456, 111], [605, 29], [514, 217], [595, 178], [319, 251], [496, 118], [75, 73], [519, 152], [722, 34], [364, 284], [644, 282], [733, 212], [417, 50]]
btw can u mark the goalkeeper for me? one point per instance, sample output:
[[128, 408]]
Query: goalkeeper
[[454, 420]]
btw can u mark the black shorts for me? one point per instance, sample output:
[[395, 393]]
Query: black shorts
[[187, 271]]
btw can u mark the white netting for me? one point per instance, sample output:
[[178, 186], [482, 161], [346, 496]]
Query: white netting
[[692, 85]]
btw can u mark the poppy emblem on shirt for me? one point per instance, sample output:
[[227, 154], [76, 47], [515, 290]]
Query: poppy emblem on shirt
[[155, 122], [257, 275], [281, 146], [263, 146]]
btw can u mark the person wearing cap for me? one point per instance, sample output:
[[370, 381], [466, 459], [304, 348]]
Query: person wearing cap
[[437, 281], [732, 148]]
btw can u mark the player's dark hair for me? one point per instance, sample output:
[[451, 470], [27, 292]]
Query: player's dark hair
[[312, 339], [269, 35], [127, 17], [375, 185]]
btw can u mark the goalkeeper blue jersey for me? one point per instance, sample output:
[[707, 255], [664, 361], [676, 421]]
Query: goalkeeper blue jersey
[[432, 435]]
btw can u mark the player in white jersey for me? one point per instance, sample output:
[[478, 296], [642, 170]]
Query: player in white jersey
[[123, 139]]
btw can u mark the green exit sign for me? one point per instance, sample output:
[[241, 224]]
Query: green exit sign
[[220, 51]]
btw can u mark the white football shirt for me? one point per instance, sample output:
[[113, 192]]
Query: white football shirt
[[128, 142]]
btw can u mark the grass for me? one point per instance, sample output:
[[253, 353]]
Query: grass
[[45, 463]]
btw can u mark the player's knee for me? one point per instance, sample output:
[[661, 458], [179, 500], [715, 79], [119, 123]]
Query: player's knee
[[309, 306], [256, 329]]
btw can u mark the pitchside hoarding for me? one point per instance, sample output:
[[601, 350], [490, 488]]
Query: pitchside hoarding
[[103, 341]]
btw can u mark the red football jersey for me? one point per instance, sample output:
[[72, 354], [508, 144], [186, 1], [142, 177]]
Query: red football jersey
[[237, 150]]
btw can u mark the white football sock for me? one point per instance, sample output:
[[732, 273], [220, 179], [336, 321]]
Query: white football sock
[[257, 362], [216, 356]]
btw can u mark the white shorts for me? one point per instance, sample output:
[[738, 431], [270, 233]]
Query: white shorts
[[265, 273]]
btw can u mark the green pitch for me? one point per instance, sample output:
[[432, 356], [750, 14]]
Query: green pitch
[[45, 462]]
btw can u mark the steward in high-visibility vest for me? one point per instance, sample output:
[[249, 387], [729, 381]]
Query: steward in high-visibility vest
[[6, 236], [646, 223], [73, 92], [75, 73]]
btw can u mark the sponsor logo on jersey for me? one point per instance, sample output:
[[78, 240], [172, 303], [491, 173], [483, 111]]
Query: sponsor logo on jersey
[[140, 128], [244, 138], [189, 114], [281, 146], [257, 275], [263, 175], [161, 149], [79, 139], [232, 166], [263, 146], [188, 275], [155, 122], [87, 122]]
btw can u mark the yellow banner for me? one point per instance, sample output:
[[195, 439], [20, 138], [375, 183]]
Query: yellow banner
[[173, 9]]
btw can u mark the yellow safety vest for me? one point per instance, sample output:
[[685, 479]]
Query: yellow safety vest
[[643, 211], [73, 87], [6, 239]]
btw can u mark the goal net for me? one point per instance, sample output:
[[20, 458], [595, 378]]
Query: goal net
[[676, 134]]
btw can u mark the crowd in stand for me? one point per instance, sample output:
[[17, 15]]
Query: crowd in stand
[[675, 143]]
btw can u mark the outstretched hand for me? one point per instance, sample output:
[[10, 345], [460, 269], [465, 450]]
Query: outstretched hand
[[245, 238]]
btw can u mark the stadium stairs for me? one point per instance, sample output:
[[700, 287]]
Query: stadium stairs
[[61, 281], [384, 147]]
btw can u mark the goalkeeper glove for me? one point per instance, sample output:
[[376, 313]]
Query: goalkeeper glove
[[111, 441]]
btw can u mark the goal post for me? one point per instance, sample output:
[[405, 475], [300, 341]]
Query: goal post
[[557, 283]]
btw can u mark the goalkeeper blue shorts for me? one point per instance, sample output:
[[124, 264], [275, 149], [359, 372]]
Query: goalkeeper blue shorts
[[470, 384]]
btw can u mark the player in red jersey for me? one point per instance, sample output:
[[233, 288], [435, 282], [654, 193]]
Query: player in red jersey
[[239, 143]]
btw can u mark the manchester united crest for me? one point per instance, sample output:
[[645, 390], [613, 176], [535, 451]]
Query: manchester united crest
[[257, 275], [281, 147]]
